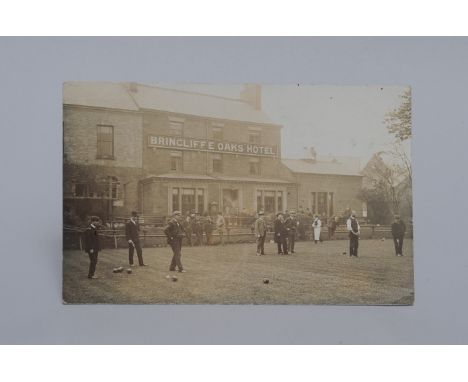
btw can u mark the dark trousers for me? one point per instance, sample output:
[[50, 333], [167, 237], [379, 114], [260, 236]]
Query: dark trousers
[[291, 240], [139, 252], [282, 243], [331, 233], [398, 241], [188, 235], [176, 246], [92, 263], [261, 244], [199, 238], [209, 238], [353, 245]]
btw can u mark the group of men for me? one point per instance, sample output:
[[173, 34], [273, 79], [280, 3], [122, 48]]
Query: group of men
[[285, 230], [92, 242], [176, 229], [286, 226], [193, 224]]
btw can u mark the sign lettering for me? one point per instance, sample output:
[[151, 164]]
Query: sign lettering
[[209, 145]]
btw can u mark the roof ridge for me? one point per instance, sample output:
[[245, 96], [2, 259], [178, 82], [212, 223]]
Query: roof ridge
[[192, 92]]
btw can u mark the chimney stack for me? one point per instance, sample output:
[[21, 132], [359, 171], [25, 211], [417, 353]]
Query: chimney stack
[[311, 154], [252, 94]]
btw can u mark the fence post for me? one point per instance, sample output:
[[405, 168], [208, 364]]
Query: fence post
[[115, 238], [81, 244]]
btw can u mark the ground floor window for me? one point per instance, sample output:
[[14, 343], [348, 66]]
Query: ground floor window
[[279, 204], [175, 200], [322, 203], [259, 201], [188, 200], [270, 201], [200, 201]]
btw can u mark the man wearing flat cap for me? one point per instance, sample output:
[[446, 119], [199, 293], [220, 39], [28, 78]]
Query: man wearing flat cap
[[92, 245], [175, 233], [132, 234], [260, 229], [398, 233]]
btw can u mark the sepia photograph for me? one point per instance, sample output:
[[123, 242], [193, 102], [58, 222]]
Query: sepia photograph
[[237, 194]]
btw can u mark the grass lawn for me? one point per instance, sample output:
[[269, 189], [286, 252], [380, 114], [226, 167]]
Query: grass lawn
[[315, 274]]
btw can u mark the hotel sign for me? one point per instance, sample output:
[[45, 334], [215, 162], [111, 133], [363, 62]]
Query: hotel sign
[[184, 143]]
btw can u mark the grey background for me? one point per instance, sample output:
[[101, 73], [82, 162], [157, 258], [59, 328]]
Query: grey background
[[31, 74]]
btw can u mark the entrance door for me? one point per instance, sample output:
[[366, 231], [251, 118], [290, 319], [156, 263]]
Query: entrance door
[[230, 201]]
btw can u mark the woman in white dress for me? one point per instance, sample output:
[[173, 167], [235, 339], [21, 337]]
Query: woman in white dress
[[317, 226]]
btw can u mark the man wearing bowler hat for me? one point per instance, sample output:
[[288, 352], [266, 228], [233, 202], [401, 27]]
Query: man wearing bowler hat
[[175, 233], [132, 234]]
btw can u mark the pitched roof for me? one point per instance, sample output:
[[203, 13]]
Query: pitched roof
[[98, 94], [144, 97], [325, 166], [184, 102]]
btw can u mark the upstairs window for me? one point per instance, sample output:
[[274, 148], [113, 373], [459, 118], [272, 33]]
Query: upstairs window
[[217, 133], [176, 126], [105, 142], [254, 166], [254, 137], [176, 161], [217, 163]]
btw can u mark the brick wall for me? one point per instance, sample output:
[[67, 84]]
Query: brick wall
[[80, 136], [157, 160], [344, 188]]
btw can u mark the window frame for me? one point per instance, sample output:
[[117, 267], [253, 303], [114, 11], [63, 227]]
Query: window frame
[[217, 158], [99, 140]]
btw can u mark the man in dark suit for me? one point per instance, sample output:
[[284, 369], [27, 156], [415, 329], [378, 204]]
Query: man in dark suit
[[281, 235], [291, 223], [197, 228], [175, 233], [398, 233], [132, 234], [92, 245]]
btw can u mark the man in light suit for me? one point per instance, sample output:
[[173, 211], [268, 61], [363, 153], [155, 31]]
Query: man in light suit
[[260, 232]]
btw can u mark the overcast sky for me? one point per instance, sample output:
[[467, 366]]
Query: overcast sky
[[336, 120]]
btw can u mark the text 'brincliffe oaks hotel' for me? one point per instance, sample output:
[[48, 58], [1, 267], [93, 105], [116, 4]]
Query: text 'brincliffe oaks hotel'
[[155, 150]]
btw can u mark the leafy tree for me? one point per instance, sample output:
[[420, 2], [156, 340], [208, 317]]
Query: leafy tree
[[398, 121]]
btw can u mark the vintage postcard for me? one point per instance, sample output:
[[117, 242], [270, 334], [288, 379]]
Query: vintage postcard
[[237, 194]]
